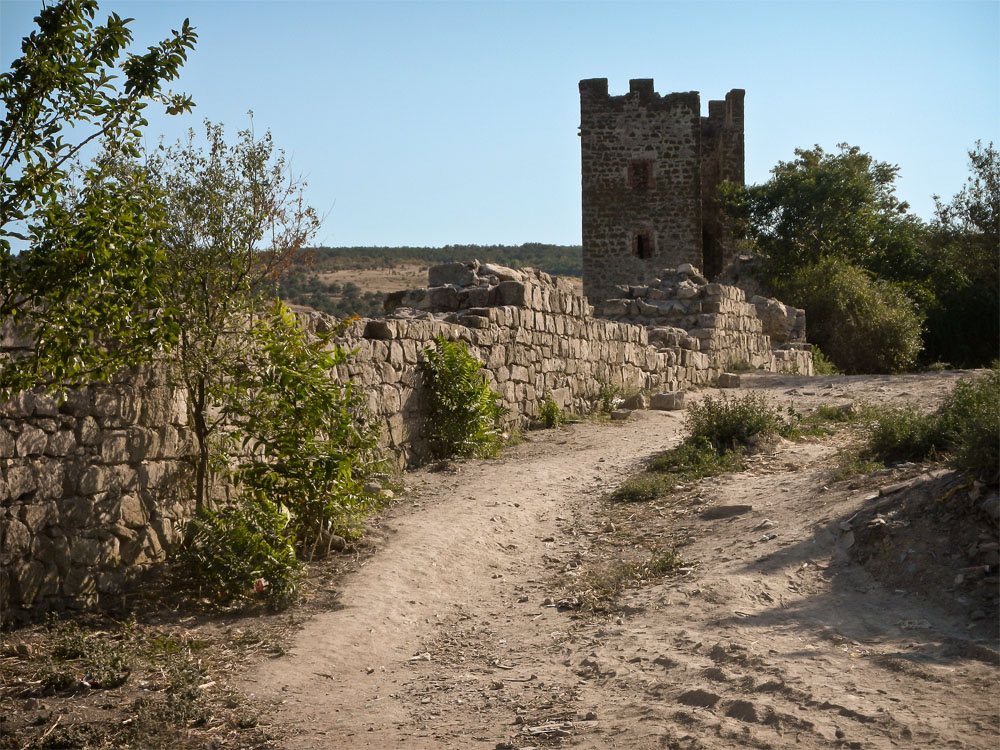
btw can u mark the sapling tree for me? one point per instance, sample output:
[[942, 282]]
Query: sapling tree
[[235, 217], [84, 284]]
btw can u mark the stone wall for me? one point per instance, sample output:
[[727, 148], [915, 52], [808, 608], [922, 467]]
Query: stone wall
[[722, 159], [716, 320], [93, 488], [650, 164]]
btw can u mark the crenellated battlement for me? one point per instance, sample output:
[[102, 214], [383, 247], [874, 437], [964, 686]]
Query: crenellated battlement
[[594, 97]]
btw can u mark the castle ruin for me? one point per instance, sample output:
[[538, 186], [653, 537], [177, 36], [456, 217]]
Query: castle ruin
[[650, 166]]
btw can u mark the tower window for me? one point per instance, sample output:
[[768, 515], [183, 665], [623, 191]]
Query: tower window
[[642, 245], [640, 173]]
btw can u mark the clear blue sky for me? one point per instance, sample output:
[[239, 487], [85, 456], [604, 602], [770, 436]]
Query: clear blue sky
[[422, 123]]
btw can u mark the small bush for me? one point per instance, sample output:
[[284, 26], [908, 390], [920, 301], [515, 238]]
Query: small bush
[[862, 324], [822, 365], [245, 551], [549, 412], [691, 460], [970, 418], [464, 412], [300, 440], [644, 487], [732, 422], [609, 396], [904, 434]]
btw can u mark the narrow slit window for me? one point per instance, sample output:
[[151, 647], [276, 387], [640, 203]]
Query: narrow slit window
[[642, 245]]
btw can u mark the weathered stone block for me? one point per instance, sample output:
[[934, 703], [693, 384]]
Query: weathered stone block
[[79, 582], [60, 443], [380, 329], [459, 274], [7, 445], [88, 433], [94, 480], [20, 481], [76, 512], [49, 479], [729, 380], [513, 293], [106, 402], [638, 401], [668, 401], [16, 539], [29, 580], [31, 441]]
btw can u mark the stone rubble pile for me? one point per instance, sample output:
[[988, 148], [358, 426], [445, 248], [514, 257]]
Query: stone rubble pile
[[682, 309]]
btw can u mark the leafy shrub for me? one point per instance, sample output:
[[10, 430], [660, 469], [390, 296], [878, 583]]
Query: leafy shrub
[[862, 324], [693, 459], [970, 417], [464, 413], [244, 551], [732, 422], [609, 396], [904, 434], [549, 412], [303, 440], [822, 365]]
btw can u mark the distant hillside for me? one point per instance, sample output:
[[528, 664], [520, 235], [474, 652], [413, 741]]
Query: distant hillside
[[346, 281]]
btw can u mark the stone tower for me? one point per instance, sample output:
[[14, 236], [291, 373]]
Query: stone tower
[[650, 165]]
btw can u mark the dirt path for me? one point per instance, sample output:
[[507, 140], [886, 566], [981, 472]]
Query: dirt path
[[770, 637]]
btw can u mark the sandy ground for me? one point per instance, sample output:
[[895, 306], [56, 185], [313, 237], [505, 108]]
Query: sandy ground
[[771, 635]]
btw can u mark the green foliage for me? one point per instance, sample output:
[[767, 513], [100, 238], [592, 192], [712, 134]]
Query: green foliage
[[732, 422], [303, 440], [85, 287], [549, 412], [235, 218], [244, 551], [74, 653], [690, 461], [970, 417], [904, 434], [464, 413], [862, 324], [822, 365], [821, 205], [609, 396], [966, 281]]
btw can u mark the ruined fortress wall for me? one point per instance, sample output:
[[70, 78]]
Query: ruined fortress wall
[[641, 183], [650, 167], [93, 488], [722, 159]]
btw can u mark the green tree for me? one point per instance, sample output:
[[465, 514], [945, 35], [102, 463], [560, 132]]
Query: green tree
[[820, 205], [862, 323], [963, 326], [837, 241], [234, 218], [84, 287]]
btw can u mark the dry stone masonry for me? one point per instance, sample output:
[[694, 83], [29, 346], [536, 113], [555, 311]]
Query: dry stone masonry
[[682, 309], [94, 488], [651, 164]]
